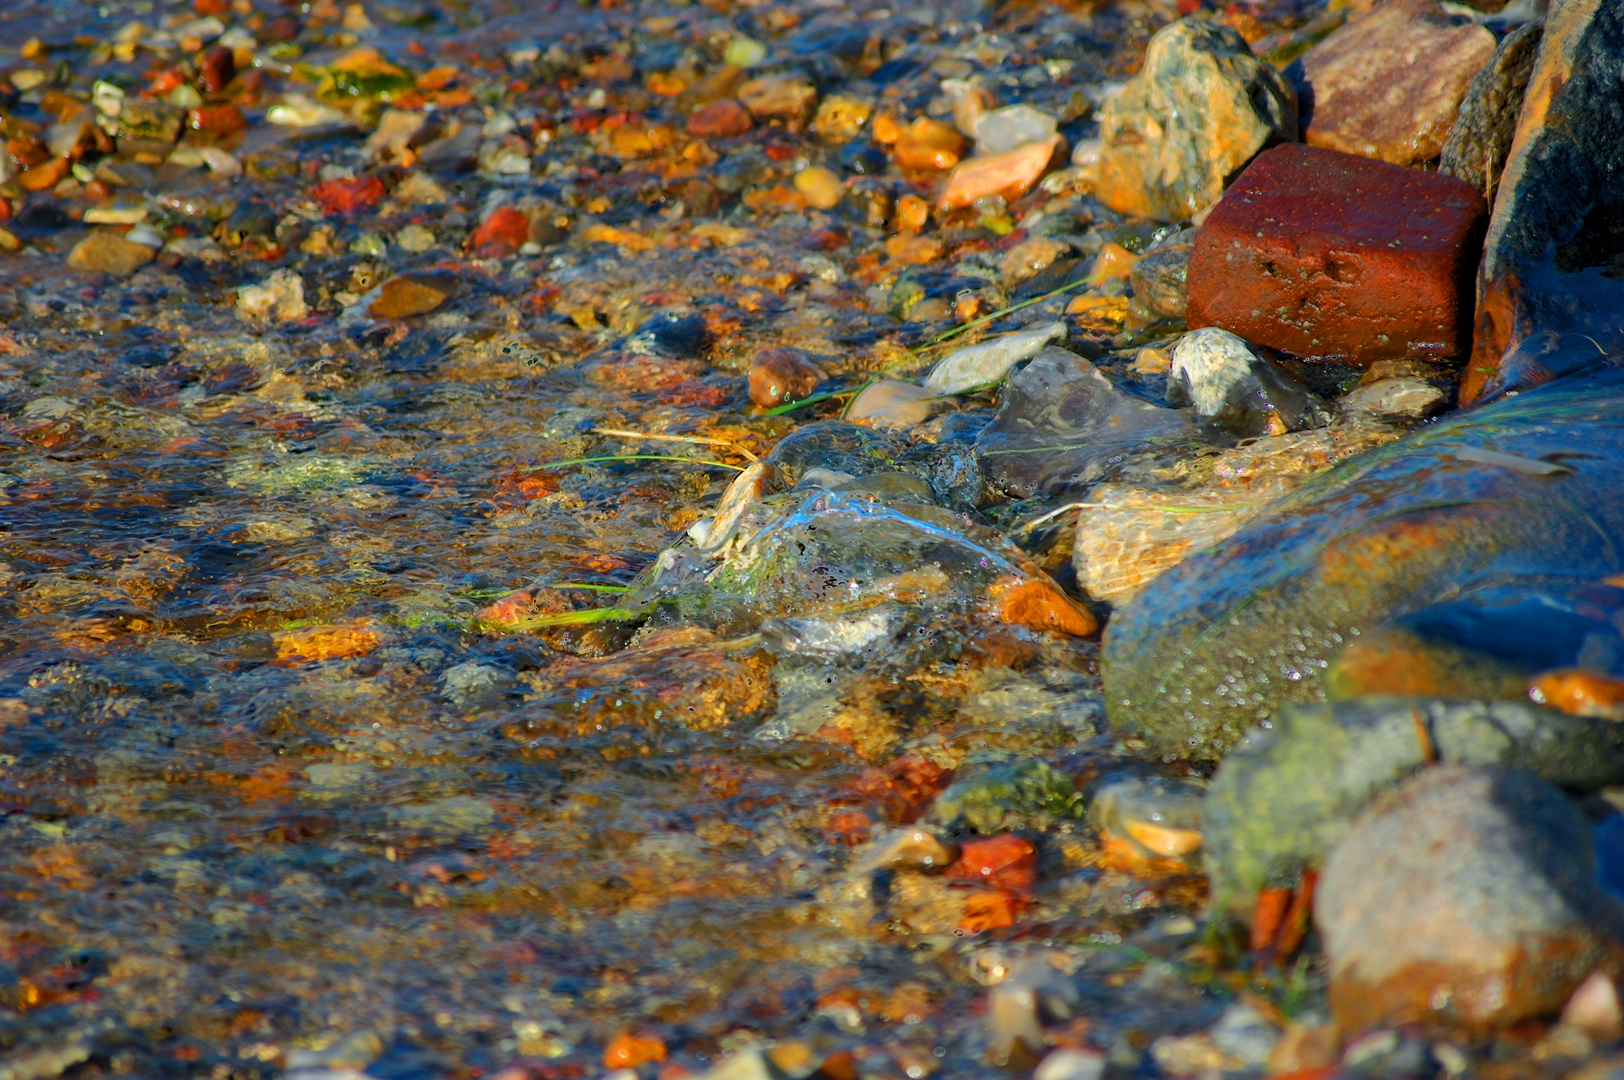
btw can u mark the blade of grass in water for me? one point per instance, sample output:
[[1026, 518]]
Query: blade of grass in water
[[631, 457], [569, 618], [791, 406]]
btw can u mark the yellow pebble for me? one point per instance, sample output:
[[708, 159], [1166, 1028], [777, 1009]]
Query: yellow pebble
[[820, 186]]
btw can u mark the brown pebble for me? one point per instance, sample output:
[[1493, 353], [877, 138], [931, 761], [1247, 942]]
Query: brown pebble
[[720, 120], [782, 374], [219, 68], [109, 253], [1040, 605], [406, 295]]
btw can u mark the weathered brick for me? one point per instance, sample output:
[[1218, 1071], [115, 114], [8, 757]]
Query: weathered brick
[[1326, 255]]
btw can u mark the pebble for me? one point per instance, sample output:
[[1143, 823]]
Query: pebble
[[928, 144], [1481, 138], [779, 375], [415, 239], [109, 253], [787, 97], [1158, 280], [1567, 155], [840, 118], [1236, 389], [1030, 257], [1327, 255], [1389, 85], [1595, 1010], [893, 406], [405, 295], [721, 120], [280, 296], [820, 186], [1008, 175], [988, 362], [1466, 899], [744, 52], [1069, 1063], [1200, 109], [998, 131], [1403, 397]]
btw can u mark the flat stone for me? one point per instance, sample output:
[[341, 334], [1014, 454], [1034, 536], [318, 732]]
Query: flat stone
[[1406, 397], [1551, 300], [1389, 85], [1288, 793], [1468, 899], [1331, 256], [1010, 174], [988, 362], [109, 253], [787, 97], [1199, 110], [405, 295], [893, 406], [1481, 138]]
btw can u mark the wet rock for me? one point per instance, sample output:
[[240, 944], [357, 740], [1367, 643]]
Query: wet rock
[[1595, 1010], [1327, 255], [834, 446], [1198, 111], [1550, 298], [893, 406], [1409, 397], [988, 362], [1389, 85], [833, 638], [1029, 257], [757, 480], [1063, 422], [1481, 138], [668, 334], [840, 118], [1155, 817], [891, 488], [998, 131], [280, 296], [1026, 796], [109, 253], [1287, 794], [820, 186], [473, 683], [1386, 535], [405, 295], [1236, 389], [1468, 898], [721, 120], [1068, 1063], [928, 144], [787, 97], [1158, 280], [783, 374], [1008, 175]]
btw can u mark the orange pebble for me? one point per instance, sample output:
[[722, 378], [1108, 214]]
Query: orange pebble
[[911, 213], [1113, 261], [886, 129], [627, 1051], [929, 144], [1581, 693]]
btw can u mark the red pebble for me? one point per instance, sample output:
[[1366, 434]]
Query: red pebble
[[1005, 862], [1342, 258], [720, 120], [348, 196], [219, 68], [500, 235]]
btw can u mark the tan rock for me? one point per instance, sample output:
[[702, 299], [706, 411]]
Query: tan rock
[[109, 253], [893, 405], [820, 186], [1390, 85], [1009, 174], [406, 295], [840, 118], [787, 97], [1200, 109]]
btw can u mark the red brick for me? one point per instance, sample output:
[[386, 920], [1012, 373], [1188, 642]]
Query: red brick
[[1326, 255], [721, 119]]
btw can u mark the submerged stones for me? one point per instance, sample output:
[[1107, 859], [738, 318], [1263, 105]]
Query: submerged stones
[[110, 253], [1229, 635], [1199, 110], [988, 362], [1468, 898], [1327, 255], [1062, 422], [1389, 85]]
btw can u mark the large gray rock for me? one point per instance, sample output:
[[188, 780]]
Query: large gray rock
[[1063, 422], [1467, 898], [1287, 793], [1551, 284], [1198, 111], [1478, 143]]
